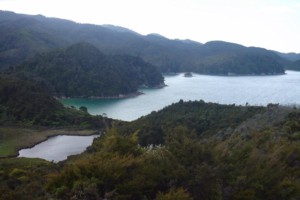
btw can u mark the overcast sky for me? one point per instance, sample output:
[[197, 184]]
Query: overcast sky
[[272, 24]]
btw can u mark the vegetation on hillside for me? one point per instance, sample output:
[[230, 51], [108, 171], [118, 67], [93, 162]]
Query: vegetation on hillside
[[24, 103], [81, 70], [289, 56], [205, 119], [294, 66], [24, 178], [241, 63]]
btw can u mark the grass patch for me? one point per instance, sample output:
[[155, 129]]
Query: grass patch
[[23, 162], [12, 139]]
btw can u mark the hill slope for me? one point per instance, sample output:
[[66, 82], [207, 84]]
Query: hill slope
[[24, 103], [289, 56], [22, 36], [81, 70], [294, 66], [206, 120]]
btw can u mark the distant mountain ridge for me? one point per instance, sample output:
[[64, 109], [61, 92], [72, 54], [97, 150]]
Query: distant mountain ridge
[[22, 36], [289, 56]]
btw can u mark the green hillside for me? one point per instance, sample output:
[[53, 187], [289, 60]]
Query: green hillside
[[294, 66], [23, 103], [205, 119], [81, 70]]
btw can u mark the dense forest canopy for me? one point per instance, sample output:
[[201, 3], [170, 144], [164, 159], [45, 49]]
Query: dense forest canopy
[[81, 70], [26, 104], [294, 66], [289, 56]]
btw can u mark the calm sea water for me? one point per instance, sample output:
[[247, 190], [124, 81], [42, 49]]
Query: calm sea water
[[254, 90], [58, 148]]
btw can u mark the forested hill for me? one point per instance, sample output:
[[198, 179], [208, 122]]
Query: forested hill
[[290, 56], [22, 36], [294, 66], [81, 70], [204, 119], [24, 103]]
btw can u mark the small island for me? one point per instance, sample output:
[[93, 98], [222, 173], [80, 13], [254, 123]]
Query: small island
[[188, 74]]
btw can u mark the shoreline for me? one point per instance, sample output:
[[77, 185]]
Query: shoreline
[[153, 87], [234, 75], [120, 96]]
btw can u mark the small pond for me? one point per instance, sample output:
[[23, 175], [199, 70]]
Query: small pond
[[58, 148]]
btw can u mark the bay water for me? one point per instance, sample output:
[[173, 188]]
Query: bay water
[[240, 90]]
